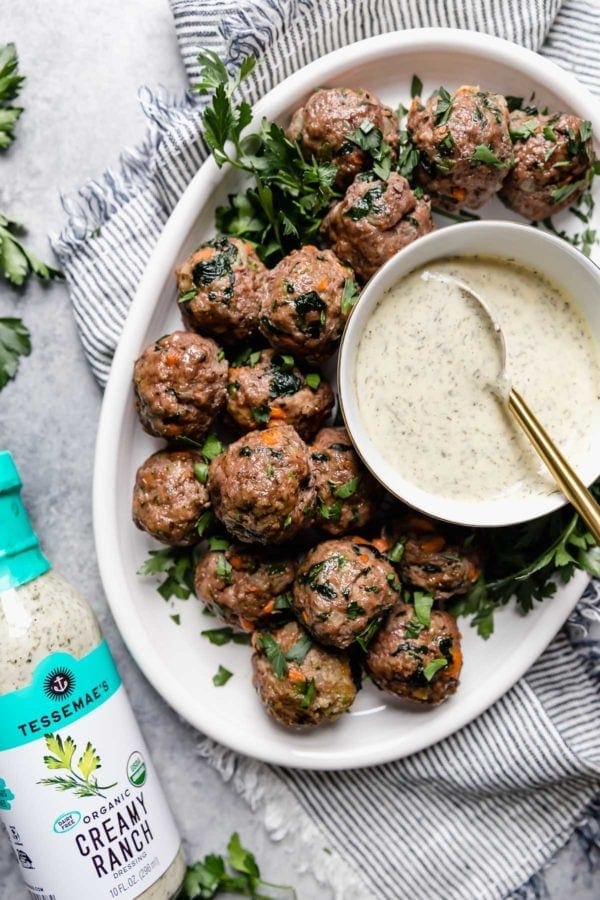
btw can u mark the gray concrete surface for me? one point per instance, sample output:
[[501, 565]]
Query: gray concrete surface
[[84, 62]]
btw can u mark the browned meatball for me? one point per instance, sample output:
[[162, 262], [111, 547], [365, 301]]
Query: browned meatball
[[218, 290], [180, 385], [416, 662], [375, 220], [330, 116], [242, 584], [302, 303], [265, 387], [262, 487], [432, 561], [342, 590], [554, 155], [298, 682], [347, 496], [464, 146], [168, 499]]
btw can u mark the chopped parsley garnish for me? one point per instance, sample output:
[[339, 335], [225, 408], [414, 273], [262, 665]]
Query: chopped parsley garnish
[[585, 131], [443, 107], [298, 652], [224, 569], [222, 676], [416, 86], [423, 603], [523, 130], [211, 447], [330, 512], [175, 617], [549, 133], [177, 564], [222, 636], [187, 296], [247, 357], [433, 667], [513, 102], [413, 628], [201, 472], [396, 553], [483, 154], [283, 601], [367, 634], [408, 157], [308, 689], [313, 380], [348, 489], [205, 522], [274, 654], [350, 295], [561, 193], [218, 543], [370, 139]]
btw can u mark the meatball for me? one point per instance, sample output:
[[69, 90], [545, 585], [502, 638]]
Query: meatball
[[324, 126], [168, 499], [347, 496], [303, 310], [375, 220], [180, 385], [242, 584], [341, 591], [266, 386], [553, 161], [464, 146], [298, 682], [433, 562], [416, 662], [262, 487], [218, 290]]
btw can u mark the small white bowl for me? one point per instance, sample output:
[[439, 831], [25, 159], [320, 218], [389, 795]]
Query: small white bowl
[[559, 261]]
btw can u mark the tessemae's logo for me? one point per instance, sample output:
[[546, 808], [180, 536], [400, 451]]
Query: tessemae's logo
[[59, 683]]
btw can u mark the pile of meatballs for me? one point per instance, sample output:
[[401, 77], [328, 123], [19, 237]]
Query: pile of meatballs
[[309, 561]]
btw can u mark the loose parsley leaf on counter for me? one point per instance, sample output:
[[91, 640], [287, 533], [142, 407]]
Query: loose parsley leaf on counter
[[14, 343], [237, 873], [17, 263], [10, 85]]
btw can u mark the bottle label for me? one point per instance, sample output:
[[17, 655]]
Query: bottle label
[[79, 796]]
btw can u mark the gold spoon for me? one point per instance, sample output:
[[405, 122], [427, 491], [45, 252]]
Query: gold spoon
[[565, 476]]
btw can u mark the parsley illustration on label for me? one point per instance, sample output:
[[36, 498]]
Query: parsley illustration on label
[[83, 782]]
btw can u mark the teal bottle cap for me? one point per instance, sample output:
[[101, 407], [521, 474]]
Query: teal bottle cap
[[21, 559]]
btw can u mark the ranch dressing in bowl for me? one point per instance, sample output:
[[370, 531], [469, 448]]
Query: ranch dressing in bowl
[[424, 366]]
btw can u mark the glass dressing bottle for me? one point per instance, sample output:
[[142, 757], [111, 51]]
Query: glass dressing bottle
[[79, 796]]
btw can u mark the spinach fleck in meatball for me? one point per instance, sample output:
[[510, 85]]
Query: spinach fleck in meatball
[[218, 290], [374, 221], [347, 496], [465, 151], [298, 682], [429, 560], [262, 487], [554, 155], [179, 384], [265, 387], [168, 499], [243, 584], [342, 589], [324, 127], [416, 662], [305, 301]]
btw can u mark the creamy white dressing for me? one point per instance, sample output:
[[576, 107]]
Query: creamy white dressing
[[427, 359]]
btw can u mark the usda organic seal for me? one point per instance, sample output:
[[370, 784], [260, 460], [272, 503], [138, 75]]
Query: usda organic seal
[[136, 769]]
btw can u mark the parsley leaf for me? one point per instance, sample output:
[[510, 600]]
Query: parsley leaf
[[308, 690], [443, 107], [10, 85], [423, 603], [221, 676], [348, 489], [274, 653], [561, 193], [211, 447], [14, 343], [177, 564], [298, 652], [433, 667], [222, 636], [483, 154], [367, 634], [17, 263], [416, 86], [350, 295], [313, 380]]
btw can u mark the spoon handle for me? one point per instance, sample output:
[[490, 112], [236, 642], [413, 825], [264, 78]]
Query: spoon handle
[[567, 479]]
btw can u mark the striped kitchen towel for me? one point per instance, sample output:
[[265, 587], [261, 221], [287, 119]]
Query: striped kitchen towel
[[478, 816]]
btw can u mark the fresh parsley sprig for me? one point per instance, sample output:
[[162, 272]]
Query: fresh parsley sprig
[[285, 206], [235, 873], [17, 263], [15, 342], [10, 85]]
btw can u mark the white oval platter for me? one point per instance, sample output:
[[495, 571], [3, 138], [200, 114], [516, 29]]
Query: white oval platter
[[176, 659]]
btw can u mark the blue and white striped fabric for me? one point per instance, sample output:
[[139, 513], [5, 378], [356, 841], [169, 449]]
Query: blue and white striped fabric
[[477, 816]]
